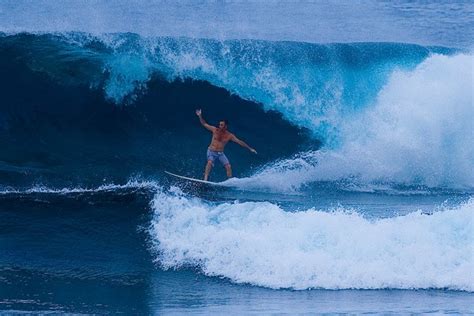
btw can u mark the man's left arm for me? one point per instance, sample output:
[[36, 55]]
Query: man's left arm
[[242, 143]]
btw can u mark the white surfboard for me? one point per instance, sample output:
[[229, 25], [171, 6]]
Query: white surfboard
[[195, 180]]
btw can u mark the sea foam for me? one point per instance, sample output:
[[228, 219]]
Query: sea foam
[[261, 244], [419, 131]]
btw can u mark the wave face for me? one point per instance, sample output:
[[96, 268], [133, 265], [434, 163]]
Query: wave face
[[75, 110], [260, 244], [118, 99]]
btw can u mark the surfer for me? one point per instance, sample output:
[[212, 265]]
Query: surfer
[[220, 138]]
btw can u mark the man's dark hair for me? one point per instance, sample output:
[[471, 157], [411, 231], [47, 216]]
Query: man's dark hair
[[225, 121]]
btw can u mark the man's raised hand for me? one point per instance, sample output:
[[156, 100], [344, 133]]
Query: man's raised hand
[[198, 112]]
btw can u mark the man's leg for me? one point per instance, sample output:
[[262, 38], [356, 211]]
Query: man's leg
[[207, 170], [228, 170]]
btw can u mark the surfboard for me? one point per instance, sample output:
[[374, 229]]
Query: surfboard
[[193, 180]]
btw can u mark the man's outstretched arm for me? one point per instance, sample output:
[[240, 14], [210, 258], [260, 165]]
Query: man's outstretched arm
[[203, 123], [242, 143]]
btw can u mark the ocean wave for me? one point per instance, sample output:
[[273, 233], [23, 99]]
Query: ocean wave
[[261, 244], [384, 112]]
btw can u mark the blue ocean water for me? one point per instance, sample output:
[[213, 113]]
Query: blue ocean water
[[360, 200]]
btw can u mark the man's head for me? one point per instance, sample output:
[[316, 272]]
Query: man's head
[[223, 124]]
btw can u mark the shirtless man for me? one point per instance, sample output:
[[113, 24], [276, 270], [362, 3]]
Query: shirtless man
[[220, 138]]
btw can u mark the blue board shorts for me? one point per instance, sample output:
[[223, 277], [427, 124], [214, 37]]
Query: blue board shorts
[[219, 155]]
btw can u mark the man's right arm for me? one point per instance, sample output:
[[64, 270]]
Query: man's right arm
[[203, 122], [242, 143]]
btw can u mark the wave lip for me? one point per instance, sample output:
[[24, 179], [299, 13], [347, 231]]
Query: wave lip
[[260, 244]]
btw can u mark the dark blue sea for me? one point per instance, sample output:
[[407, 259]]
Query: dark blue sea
[[360, 199]]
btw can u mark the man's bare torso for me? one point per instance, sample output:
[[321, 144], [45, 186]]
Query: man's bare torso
[[220, 138]]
